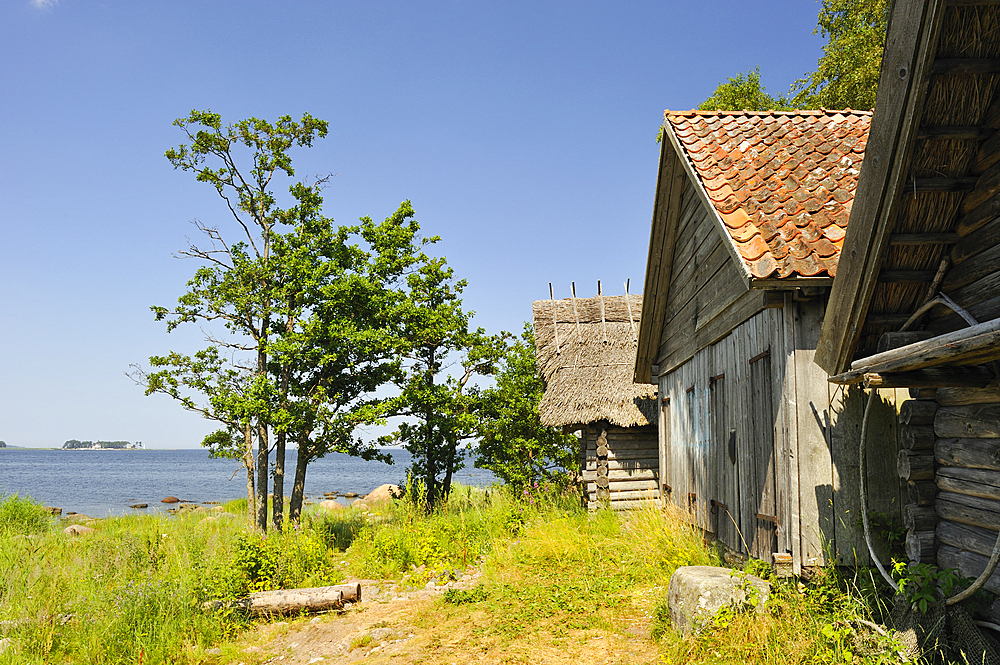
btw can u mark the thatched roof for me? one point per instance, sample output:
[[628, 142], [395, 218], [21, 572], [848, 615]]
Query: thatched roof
[[588, 376]]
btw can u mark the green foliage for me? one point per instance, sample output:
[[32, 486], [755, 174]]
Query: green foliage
[[744, 92], [513, 443], [440, 405], [847, 73], [923, 585], [466, 597], [21, 515]]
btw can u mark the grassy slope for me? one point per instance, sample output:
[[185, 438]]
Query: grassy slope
[[559, 585]]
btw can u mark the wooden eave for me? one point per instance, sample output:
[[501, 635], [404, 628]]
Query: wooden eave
[[901, 229], [674, 170]]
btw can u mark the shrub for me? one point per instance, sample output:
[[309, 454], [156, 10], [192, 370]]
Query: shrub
[[21, 515]]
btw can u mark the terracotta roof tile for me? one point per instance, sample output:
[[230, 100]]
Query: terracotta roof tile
[[782, 182]]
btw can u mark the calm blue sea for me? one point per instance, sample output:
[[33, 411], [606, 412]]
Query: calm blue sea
[[104, 482]]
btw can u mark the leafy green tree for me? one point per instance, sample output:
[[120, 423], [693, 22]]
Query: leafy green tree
[[303, 304], [847, 73], [513, 443], [440, 356], [744, 93]]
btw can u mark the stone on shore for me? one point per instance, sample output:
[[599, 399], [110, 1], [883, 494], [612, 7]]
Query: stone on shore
[[138, 506], [382, 493], [170, 499], [697, 593], [330, 504], [77, 530], [53, 511], [350, 495]]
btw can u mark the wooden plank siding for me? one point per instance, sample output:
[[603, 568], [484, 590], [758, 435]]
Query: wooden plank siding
[[793, 484]]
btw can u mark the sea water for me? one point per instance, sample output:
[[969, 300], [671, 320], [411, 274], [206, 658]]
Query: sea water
[[106, 482]]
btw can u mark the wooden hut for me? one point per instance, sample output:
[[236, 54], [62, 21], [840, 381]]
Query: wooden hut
[[748, 221], [917, 299], [585, 349]]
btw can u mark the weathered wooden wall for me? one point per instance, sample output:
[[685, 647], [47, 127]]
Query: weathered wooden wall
[[621, 465], [763, 452], [707, 296]]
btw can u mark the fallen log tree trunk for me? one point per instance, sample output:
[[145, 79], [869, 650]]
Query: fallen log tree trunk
[[293, 601]]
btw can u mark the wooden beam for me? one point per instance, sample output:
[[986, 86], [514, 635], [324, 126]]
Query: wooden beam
[[935, 377], [940, 185], [788, 283], [971, 132], [662, 241], [987, 186], [899, 276], [932, 377], [983, 238], [988, 153], [892, 320], [910, 46], [973, 3], [976, 218], [917, 239], [966, 66], [951, 348], [894, 340]]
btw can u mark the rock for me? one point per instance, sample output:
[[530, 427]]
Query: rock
[[357, 503], [382, 493], [210, 503], [53, 511], [70, 512], [382, 634], [697, 593], [77, 530], [170, 499], [350, 495], [330, 504], [138, 506]]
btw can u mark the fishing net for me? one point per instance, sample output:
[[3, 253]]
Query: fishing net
[[944, 634]]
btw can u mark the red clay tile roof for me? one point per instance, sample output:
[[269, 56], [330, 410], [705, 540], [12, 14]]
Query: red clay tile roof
[[782, 182]]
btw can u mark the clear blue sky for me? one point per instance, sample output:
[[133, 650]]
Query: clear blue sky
[[523, 132]]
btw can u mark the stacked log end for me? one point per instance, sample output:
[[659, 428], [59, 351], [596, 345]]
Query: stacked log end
[[916, 465]]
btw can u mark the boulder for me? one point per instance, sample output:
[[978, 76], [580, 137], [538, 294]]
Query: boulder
[[77, 530], [53, 511], [350, 495], [330, 504], [360, 504], [697, 593], [138, 506], [170, 499], [382, 493]]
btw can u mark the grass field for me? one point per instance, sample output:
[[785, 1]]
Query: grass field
[[556, 584]]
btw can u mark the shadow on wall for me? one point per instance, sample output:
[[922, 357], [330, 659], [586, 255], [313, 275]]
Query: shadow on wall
[[841, 526]]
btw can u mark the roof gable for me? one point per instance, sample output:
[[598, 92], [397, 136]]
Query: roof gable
[[780, 183]]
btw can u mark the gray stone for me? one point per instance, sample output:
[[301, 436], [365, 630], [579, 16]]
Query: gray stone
[[697, 593], [77, 530]]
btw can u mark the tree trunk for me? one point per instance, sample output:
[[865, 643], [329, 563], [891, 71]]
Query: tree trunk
[[278, 507], [293, 601], [299, 485], [248, 464], [262, 468], [449, 469]]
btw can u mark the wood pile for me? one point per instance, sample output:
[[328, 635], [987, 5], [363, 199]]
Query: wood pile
[[916, 465]]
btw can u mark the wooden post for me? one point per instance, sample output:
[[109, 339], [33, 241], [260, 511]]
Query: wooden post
[[555, 322], [628, 303], [576, 315]]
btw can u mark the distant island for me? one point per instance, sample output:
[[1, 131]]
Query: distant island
[[73, 444], [3, 444]]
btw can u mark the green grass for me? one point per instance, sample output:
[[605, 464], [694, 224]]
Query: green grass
[[552, 574]]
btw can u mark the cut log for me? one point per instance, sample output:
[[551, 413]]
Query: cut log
[[969, 564], [918, 437], [917, 412], [939, 350], [984, 483], [965, 396], [964, 509], [894, 340], [919, 518], [932, 377], [920, 546], [965, 537], [294, 601], [923, 393], [981, 421], [971, 453], [921, 492], [912, 466]]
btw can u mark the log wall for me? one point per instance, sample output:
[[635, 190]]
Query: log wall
[[621, 468]]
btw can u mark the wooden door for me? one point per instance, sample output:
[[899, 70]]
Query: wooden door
[[762, 463]]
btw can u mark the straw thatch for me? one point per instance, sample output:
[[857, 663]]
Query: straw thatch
[[589, 376]]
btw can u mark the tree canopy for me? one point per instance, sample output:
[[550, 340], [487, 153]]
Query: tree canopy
[[846, 75]]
